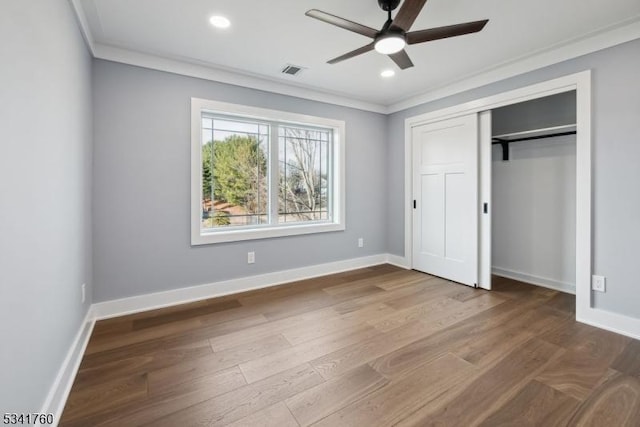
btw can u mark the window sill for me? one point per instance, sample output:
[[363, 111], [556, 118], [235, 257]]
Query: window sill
[[199, 238]]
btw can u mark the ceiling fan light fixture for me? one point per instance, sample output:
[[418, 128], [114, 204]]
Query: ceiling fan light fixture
[[390, 43]]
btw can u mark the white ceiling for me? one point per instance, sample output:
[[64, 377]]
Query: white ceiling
[[267, 35]]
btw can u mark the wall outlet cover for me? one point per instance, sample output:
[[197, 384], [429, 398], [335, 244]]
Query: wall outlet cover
[[360, 242], [598, 283], [251, 257]]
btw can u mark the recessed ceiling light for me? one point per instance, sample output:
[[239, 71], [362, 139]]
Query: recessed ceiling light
[[388, 73], [220, 21]]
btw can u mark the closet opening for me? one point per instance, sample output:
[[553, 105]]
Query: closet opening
[[533, 194]]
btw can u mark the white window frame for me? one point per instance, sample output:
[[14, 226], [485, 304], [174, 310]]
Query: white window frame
[[336, 181]]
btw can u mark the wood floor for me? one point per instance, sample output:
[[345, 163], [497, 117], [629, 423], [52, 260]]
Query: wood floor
[[378, 346]]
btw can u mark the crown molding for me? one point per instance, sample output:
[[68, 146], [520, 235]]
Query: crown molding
[[83, 24], [237, 78], [621, 33]]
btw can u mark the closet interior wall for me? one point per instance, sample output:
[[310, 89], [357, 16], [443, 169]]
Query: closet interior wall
[[534, 195]]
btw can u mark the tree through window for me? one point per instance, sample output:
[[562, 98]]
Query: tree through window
[[304, 181], [234, 173]]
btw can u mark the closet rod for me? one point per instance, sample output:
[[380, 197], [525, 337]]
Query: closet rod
[[505, 142]]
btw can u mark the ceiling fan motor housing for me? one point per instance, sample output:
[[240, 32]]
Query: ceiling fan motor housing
[[388, 5]]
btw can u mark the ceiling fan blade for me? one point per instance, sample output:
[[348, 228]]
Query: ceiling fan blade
[[408, 13], [360, 51], [422, 36], [402, 59], [342, 23]]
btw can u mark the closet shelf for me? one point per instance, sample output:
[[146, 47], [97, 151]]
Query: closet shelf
[[537, 132], [528, 135]]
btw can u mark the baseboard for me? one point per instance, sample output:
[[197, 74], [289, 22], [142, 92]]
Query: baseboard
[[124, 306], [614, 322], [398, 261], [59, 391], [545, 282]]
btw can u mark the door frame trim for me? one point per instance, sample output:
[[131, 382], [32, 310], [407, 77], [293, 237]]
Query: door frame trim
[[581, 83]]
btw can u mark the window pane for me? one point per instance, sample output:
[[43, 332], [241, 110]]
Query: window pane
[[234, 173], [304, 170]]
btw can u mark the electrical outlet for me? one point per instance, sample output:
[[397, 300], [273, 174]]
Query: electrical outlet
[[360, 242], [598, 283], [251, 257], [83, 291]]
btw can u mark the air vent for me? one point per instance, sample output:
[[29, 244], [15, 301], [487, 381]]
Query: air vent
[[292, 70]]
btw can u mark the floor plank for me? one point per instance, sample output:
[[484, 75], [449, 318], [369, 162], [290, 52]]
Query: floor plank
[[308, 331], [585, 363], [485, 394], [185, 395], [425, 311], [409, 291], [434, 288], [338, 362], [251, 333], [164, 379], [614, 403], [628, 362], [439, 337], [391, 404], [105, 396], [164, 336], [497, 340], [324, 399], [244, 401], [187, 313], [271, 364], [536, 405], [277, 415], [90, 374]]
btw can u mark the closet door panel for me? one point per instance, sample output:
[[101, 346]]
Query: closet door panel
[[432, 214], [445, 187]]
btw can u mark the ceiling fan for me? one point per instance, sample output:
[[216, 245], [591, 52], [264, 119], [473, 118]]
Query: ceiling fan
[[394, 34]]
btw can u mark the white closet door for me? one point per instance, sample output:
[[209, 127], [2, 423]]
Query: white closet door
[[484, 198], [445, 190]]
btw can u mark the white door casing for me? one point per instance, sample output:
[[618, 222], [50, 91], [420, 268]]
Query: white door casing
[[445, 190]]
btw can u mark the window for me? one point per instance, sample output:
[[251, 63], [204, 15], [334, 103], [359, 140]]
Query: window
[[259, 173]]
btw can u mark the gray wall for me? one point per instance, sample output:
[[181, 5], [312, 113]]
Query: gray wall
[[550, 111], [616, 151], [45, 159], [142, 190]]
